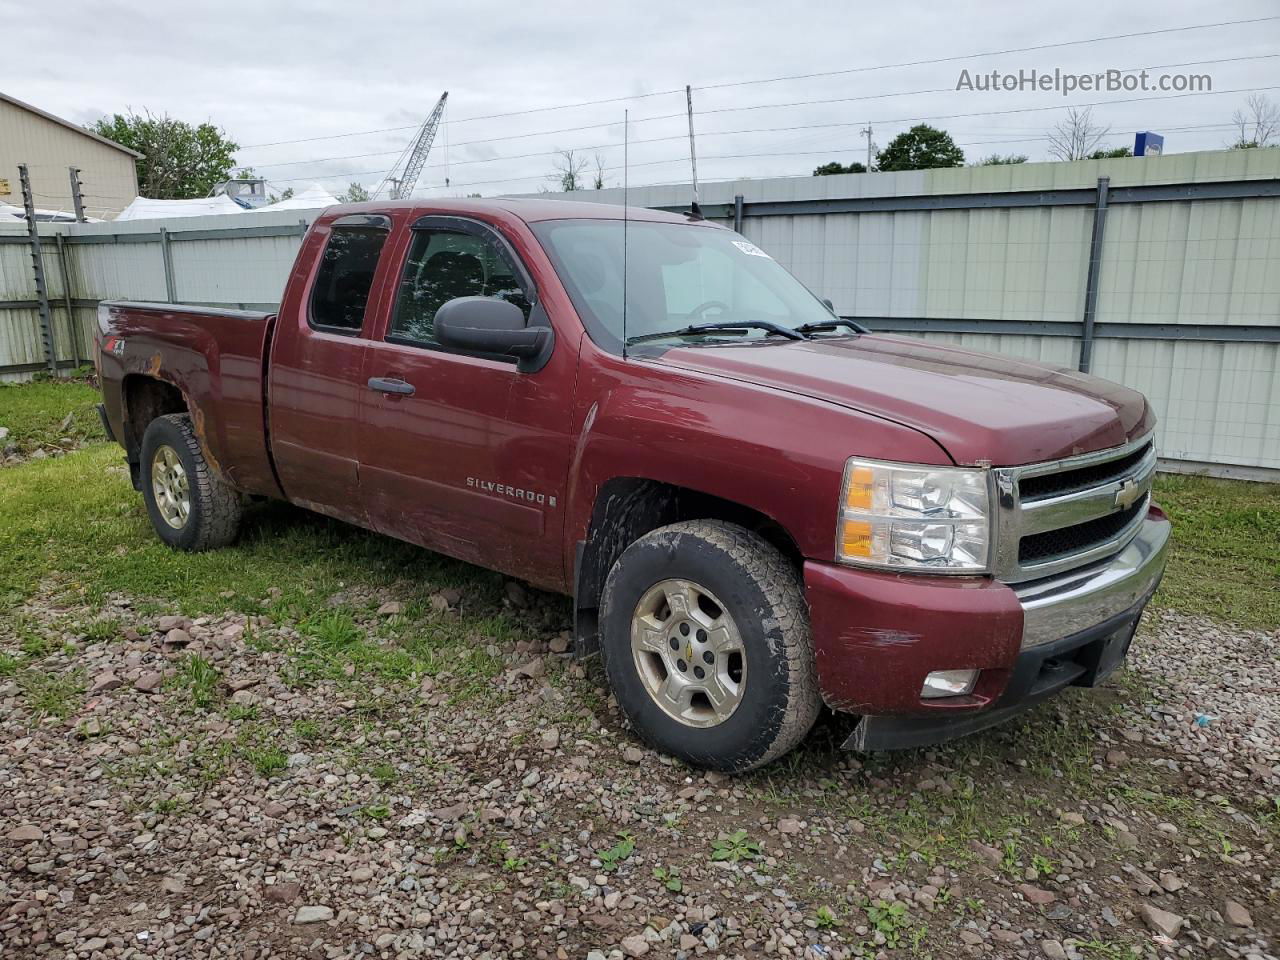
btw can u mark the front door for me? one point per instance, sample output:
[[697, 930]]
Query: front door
[[461, 452], [317, 381]]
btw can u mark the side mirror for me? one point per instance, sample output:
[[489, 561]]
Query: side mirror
[[826, 302], [487, 325]]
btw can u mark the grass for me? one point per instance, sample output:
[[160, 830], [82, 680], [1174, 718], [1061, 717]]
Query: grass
[[200, 679], [51, 694], [34, 413], [266, 760], [1225, 563], [73, 528], [75, 523]]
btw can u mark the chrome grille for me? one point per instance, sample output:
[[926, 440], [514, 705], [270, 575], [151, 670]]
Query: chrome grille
[[1056, 516]]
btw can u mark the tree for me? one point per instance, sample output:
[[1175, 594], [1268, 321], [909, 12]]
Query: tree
[[1258, 124], [284, 196], [835, 166], [1111, 153], [179, 161], [567, 170], [921, 148], [999, 160], [1077, 136], [597, 180], [355, 193]]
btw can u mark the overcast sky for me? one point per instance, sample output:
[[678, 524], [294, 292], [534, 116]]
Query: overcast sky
[[270, 72]]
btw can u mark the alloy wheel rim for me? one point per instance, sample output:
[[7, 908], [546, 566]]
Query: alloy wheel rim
[[688, 653], [170, 487]]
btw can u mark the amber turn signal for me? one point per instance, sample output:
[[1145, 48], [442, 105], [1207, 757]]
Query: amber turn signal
[[855, 538], [858, 493]]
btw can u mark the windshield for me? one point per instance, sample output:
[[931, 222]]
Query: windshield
[[678, 275]]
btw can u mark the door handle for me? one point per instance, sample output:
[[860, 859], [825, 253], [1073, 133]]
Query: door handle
[[390, 385]]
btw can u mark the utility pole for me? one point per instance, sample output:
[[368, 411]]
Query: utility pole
[[866, 132], [37, 267], [77, 195]]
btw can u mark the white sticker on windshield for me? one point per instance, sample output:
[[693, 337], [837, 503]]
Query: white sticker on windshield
[[750, 249]]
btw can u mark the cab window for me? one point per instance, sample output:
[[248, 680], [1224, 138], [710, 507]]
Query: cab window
[[345, 277], [444, 264]]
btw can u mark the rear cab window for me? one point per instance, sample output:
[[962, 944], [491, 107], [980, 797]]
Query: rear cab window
[[340, 292]]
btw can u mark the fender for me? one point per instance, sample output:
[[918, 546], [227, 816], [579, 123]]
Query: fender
[[722, 437], [213, 358]]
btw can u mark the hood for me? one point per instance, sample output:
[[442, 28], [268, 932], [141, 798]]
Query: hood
[[978, 406]]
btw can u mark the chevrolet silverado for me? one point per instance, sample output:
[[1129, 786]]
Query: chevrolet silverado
[[758, 506]]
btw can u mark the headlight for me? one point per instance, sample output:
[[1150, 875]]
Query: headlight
[[902, 517]]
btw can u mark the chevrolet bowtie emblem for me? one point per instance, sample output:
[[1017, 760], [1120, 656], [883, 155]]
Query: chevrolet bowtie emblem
[[1129, 494]]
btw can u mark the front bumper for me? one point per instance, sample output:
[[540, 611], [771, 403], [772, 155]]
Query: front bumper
[[877, 636]]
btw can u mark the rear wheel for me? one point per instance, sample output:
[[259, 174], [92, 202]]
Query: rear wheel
[[706, 643], [189, 505]]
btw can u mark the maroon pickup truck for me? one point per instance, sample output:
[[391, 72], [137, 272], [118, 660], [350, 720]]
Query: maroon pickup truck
[[757, 506]]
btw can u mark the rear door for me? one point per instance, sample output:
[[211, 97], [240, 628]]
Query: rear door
[[317, 380], [462, 453]]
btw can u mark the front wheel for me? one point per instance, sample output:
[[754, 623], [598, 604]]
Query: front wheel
[[189, 505], [705, 637]]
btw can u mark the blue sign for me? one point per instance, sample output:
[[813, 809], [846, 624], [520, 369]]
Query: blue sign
[[1148, 144]]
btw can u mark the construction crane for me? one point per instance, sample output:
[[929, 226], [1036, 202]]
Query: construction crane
[[402, 186]]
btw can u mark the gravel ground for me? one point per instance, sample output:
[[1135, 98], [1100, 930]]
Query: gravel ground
[[186, 788]]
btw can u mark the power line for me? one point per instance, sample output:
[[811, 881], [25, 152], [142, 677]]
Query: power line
[[670, 116], [827, 151], [805, 76], [683, 158], [992, 53], [910, 93], [846, 123]]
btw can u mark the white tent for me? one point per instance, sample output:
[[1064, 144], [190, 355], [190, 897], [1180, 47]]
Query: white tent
[[310, 198], [9, 212], [143, 209]]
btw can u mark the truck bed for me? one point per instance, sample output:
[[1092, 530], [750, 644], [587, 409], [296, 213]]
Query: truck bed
[[214, 357]]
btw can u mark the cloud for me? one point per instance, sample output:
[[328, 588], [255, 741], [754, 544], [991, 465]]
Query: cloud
[[327, 74]]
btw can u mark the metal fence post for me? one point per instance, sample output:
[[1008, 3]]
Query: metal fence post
[[1095, 268], [77, 197], [64, 266], [37, 267], [170, 287], [737, 213]]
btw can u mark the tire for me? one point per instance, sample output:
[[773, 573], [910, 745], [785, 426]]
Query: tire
[[724, 568], [172, 463]]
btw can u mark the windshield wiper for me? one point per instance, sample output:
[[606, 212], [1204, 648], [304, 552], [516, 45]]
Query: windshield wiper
[[723, 327], [831, 325]]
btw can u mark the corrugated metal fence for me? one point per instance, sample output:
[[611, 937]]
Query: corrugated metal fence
[[239, 261], [1161, 273]]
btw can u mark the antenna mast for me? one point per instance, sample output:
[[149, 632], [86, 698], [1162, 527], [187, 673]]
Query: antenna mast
[[693, 157], [402, 186], [626, 183]]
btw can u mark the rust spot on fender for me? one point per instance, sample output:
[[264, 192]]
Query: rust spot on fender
[[153, 365], [198, 425]]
